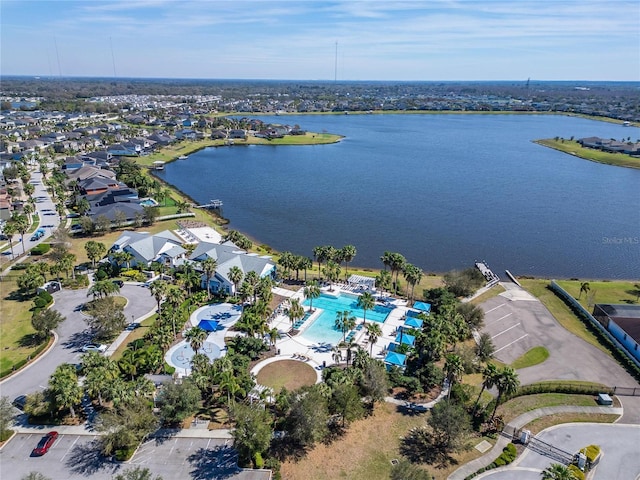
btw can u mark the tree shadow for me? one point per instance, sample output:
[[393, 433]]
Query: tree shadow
[[86, 460], [219, 463], [285, 449], [78, 339], [411, 409], [420, 447], [29, 340]]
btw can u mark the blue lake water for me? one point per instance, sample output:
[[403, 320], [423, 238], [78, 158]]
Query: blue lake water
[[443, 190]]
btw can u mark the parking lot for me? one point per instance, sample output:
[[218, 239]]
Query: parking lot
[[78, 457], [517, 322]]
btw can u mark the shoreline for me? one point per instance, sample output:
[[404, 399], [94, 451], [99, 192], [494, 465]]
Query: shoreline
[[572, 147], [220, 222]]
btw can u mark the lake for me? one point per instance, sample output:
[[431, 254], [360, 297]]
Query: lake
[[443, 190]]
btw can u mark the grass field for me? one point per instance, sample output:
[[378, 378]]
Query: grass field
[[492, 292], [574, 148], [614, 291], [533, 357], [15, 323], [557, 419], [136, 334], [290, 374], [366, 450], [519, 405]]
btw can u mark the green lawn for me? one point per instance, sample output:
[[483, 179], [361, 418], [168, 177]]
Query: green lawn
[[519, 405], [572, 147], [15, 323], [533, 357], [602, 291]]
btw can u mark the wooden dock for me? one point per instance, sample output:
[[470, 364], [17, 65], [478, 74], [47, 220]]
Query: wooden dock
[[211, 204], [491, 277]]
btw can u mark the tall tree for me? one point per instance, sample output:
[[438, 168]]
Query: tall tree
[[366, 302], [95, 251], [449, 423], [159, 290], [373, 333], [252, 433], [196, 337], [344, 322], [507, 383], [64, 388], [348, 253], [103, 288], [584, 287], [126, 425], [311, 292], [209, 266], [46, 320], [489, 377], [295, 311], [178, 401], [453, 369], [235, 275]]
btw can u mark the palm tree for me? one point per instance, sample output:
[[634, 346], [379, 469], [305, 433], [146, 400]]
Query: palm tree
[[103, 288], [584, 287], [196, 337], [344, 322], [235, 275], [64, 388], [349, 346], [331, 270], [295, 310], [636, 291], [252, 279], [413, 276], [311, 292], [348, 253], [190, 277], [489, 378], [557, 471], [10, 230], [159, 290], [209, 266], [366, 302], [373, 333], [336, 354], [126, 257], [507, 383], [453, 369]]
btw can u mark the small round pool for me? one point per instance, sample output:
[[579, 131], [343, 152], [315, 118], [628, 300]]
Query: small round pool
[[224, 313]]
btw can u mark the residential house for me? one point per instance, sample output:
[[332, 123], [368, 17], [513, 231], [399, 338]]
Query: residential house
[[163, 247], [228, 255]]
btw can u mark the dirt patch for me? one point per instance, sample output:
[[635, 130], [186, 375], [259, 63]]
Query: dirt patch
[[291, 374]]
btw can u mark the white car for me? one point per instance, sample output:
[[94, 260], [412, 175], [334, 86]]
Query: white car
[[94, 347]]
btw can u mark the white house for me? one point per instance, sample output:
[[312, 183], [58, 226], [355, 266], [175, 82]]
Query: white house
[[163, 247]]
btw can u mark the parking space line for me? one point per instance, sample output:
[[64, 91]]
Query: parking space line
[[512, 326], [501, 318], [495, 308], [516, 340], [70, 447]]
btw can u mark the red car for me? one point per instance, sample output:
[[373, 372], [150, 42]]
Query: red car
[[45, 444]]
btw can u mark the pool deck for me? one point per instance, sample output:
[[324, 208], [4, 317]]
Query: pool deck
[[318, 355]]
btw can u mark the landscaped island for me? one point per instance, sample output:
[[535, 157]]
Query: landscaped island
[[590, 149]]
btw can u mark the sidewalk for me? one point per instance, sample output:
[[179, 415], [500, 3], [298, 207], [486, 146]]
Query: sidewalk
[[516, 424]]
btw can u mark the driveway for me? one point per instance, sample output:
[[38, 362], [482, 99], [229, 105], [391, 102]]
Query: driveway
[[517, 322], [77, 457], [73, 333]]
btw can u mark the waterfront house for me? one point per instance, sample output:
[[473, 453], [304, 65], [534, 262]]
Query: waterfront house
[[228, 255], [163, 247]]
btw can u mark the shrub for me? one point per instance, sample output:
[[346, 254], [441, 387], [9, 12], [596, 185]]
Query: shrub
[[39, 303], [124, 454], [591, 452], [46, 296], [101, 275], [40, 249], [19, 266], [258, 462], [577, 473]]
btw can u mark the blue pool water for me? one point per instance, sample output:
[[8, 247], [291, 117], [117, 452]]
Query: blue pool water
[[322, 329], [148, 202]]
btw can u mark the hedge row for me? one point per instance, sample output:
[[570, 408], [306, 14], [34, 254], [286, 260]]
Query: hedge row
[[40, 249], [507, 456], [550, 387]]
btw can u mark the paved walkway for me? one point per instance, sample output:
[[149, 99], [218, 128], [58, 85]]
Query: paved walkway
[[516, 424]]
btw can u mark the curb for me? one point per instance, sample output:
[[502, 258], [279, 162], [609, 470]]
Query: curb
[[28, 365], [8, 439]]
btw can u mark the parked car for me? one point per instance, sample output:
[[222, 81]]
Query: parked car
[[132, 326], [45, 444], [37, 235], [19, 402], [119, 283], [94, 347]]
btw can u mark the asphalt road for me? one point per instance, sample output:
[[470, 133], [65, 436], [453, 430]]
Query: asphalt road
[[77, 457], [518, 322], [73, 333]]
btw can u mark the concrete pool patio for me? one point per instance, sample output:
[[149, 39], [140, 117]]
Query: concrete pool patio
[[319, 354]]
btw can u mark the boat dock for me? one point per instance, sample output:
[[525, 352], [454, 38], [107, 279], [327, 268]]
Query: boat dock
[[211, 204], [491, 277]]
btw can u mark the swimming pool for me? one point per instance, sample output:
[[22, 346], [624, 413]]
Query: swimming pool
[[322, 329], [148, 202]]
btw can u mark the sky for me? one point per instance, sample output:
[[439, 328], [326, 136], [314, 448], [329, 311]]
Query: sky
[[412, 40]]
